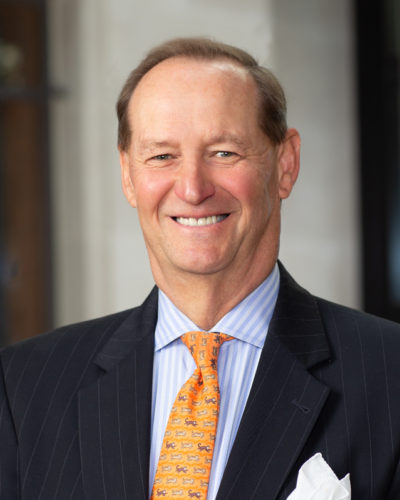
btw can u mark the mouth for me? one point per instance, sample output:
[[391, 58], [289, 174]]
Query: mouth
[[200, 221]]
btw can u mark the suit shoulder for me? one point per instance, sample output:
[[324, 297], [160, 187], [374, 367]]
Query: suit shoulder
[[347, 314], [367, 330]]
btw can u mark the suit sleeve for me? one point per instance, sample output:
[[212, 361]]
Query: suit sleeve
[[9, 488]]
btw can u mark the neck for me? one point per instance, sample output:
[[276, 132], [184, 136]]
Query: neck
[[206, 299]]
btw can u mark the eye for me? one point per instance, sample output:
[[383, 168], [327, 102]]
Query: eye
[[225, 154], [162, 157]]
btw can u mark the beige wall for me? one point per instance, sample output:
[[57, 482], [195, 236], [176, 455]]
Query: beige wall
[[100, 260]]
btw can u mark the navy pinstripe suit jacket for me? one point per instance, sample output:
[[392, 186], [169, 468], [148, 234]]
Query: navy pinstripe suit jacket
[[75, 406]]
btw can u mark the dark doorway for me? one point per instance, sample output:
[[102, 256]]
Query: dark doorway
[[378, 35]]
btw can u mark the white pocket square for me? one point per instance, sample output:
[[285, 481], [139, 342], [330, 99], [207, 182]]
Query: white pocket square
[[317, 481]]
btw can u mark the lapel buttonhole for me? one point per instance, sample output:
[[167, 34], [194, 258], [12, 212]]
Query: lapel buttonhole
[[301, 407]]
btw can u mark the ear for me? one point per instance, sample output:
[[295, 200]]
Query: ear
[[126, 179], [288, 162]]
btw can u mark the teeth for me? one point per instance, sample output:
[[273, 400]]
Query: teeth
[[202, 221]]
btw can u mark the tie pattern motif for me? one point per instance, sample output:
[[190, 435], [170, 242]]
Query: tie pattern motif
[[184, 465]]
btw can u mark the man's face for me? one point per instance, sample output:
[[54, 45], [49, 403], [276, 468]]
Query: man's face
[[204, 177]]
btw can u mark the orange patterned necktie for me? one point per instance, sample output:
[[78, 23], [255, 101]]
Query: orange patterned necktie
[[184, 465]]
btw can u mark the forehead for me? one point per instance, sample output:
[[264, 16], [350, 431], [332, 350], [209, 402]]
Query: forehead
[[195, 94], [180, 76]]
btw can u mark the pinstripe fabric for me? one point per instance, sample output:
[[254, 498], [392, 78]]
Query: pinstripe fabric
[[237, 363], [75, 406]]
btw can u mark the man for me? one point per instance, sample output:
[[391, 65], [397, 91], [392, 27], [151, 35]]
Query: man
[[206, 158]]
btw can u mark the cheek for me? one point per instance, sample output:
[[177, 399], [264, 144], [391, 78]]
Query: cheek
[[151, 188], [251, 187]]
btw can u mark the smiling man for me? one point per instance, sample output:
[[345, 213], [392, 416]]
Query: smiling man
[[230, 376], [207, 182]]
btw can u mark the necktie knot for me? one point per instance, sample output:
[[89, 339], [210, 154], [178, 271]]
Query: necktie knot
[[204, 347]]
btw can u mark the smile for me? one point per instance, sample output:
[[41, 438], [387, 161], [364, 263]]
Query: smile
[[201, 221]]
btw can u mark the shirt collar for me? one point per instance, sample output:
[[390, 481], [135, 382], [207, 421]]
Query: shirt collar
[[247, 321]]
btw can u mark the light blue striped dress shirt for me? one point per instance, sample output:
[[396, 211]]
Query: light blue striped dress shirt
[[237, 363]]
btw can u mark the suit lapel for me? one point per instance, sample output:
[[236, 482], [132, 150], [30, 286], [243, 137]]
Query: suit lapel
[[284, 402], [115, 411]]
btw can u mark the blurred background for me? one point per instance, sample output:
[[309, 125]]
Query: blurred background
[[70, 245]]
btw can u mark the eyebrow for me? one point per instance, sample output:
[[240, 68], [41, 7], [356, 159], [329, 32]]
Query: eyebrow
[[226, 137], [150, 144]]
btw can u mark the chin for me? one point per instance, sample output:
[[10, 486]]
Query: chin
[[200, 266]]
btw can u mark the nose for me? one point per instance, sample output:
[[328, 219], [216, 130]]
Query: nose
[[193, 184]]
